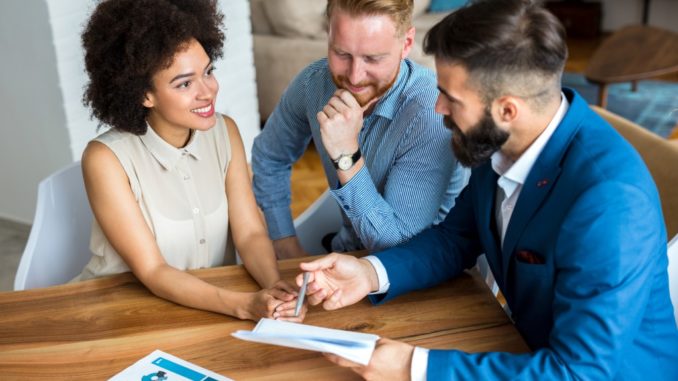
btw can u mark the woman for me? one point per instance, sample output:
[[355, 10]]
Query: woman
[[171, 173]]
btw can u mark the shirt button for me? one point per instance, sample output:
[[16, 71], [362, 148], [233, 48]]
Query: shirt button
[[196, 210], [202, 241], [187, 177]]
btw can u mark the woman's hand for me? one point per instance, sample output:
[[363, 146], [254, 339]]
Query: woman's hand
[[285, 311], [273, 303]]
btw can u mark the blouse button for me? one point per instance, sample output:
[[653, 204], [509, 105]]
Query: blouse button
[[202, 241], [196, 210]]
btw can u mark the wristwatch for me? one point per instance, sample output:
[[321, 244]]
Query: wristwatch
[[346, 161]]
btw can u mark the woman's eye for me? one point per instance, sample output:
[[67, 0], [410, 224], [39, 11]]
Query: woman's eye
[[184, 85]]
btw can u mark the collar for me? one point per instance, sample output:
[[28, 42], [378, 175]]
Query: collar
[[166, 154], [388, 105], [512, 174]]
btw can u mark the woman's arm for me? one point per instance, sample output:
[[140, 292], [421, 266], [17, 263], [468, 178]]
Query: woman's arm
[[249, 231], [121, 220]]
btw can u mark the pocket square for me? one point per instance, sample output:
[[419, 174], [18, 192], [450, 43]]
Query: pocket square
[[530, 257]]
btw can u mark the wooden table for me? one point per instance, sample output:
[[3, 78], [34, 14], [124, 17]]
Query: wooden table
[[631, 54], [94, 329]]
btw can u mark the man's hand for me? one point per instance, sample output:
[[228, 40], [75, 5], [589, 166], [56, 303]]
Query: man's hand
[[340, 123], [338, 280], [288, 247], [391, 360]]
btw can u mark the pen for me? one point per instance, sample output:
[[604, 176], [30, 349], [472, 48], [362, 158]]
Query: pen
[[302, 294]]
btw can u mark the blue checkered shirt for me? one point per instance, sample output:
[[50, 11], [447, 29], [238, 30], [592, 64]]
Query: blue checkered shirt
[[410, 178]]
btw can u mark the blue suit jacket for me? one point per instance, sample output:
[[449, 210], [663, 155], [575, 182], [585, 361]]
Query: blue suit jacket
[[598, 306]]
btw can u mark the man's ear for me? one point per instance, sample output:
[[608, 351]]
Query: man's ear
[[148, 100], [408, 42], [506, 109]]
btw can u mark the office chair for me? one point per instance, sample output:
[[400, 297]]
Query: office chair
[[58, 245], [673, 275], [658, 154], [486, 274], [321, 218]]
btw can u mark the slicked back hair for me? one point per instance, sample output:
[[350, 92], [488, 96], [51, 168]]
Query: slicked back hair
[[508, 47]]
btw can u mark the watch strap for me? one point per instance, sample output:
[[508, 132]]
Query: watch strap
[[354, 159]]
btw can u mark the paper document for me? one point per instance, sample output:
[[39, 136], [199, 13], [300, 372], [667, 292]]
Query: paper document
[[161, 366], [354, 346]]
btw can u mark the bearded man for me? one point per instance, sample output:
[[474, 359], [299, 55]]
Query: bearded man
[[563, 207], [369, 111]]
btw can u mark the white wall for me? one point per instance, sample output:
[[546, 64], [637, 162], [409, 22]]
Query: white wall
[[620, 13], [44, 124], [34, 139], [236, 72]]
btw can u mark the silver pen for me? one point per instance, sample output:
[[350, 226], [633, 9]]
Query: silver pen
[[302, 294]]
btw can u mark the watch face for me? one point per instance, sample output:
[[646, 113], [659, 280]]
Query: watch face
[[345, 163]]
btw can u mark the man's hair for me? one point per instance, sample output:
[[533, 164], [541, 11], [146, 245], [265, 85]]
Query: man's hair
[[127, 41], [508, 47], [400, 11]]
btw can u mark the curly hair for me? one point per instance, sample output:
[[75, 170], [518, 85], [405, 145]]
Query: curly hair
[[127, 41]]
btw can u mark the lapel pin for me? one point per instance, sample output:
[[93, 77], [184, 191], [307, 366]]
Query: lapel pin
[[543, 182]]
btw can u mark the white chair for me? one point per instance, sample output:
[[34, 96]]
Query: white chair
[[486, 274], [673, 275], [321, 218], [58, 245]]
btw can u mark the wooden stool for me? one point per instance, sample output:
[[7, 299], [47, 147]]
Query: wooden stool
[[631, 54]]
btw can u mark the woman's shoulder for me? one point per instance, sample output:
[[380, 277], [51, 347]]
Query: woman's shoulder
[[219, 134], [113, 137], [112, 145], [224, 122]]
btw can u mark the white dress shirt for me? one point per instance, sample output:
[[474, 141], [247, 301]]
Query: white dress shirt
[[512, 176]]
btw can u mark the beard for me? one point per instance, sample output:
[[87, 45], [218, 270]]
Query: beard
[[479, 143], [374, 89]]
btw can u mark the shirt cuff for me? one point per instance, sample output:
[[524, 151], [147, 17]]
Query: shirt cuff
[[382, 276], [279, 223], [358, 195], [419, 364]]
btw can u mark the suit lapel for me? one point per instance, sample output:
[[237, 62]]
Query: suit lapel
[[542, 176], [487, 222]]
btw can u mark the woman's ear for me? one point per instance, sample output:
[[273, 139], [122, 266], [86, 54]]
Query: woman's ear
[[148, 100]]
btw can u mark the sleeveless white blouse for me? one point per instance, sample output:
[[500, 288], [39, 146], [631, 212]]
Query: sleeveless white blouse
[[181, 193]]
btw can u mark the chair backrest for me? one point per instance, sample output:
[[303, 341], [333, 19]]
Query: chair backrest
[[486, 274], [660, 156], [673, 275], [58, 245], [321, 218]]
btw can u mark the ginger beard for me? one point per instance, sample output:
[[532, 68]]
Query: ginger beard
[[373, 89]]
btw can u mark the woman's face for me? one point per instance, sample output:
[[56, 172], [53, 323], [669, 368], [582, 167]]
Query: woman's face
[[183, 94]]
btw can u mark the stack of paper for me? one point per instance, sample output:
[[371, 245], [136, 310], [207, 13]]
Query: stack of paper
[[354, 346]]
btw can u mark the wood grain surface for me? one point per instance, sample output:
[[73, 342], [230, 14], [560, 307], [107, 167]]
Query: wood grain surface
[[95, 329]]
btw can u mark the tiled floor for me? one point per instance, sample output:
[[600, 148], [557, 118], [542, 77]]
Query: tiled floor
[[13, 237]]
